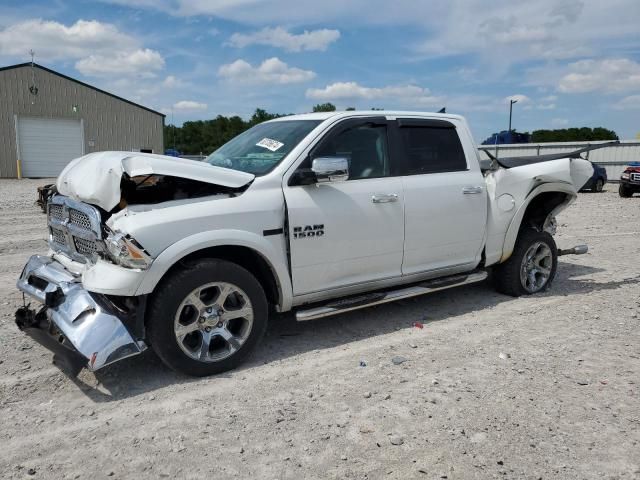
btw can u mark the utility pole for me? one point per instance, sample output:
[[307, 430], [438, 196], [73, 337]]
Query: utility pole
[[172, 140], [511, 102]]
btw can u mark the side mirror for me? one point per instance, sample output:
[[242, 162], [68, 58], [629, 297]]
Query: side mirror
[[330, 169]]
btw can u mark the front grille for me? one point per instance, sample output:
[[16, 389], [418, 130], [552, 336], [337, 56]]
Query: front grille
[[56, 211], [79, 219], [86, 247], [635, 177], [75, 228], [58, 236]]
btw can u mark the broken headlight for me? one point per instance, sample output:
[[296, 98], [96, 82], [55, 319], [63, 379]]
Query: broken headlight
[[125, 251]]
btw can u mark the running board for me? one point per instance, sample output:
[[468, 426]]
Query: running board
[[377, 298]]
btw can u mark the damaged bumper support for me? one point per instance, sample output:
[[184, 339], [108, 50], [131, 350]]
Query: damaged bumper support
[[577, 250], [80, 326]]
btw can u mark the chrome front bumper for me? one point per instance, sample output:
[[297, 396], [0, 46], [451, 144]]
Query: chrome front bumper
[[72, 320]]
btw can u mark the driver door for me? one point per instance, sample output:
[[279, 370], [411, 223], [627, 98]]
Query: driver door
[[346, 233]]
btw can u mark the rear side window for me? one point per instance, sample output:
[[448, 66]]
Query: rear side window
[[431, 149]]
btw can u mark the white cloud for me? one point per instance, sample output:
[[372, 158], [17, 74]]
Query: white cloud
[[189, 106], [55, 41], [504, 32], [259, 12], [509, 30], [608, 76], [631, 102], [560, 52], [467, 73], [568, 10], [172, 82], [99, 48], [141, 63], [498, 33], [272, 70], [280, 38], [353, 91], [559, 122]]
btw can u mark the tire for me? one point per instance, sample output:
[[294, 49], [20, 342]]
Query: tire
[[508, 278], [599, 185], [624, 191], [206, 318]]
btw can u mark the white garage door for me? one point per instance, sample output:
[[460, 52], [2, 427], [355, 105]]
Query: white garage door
[[48, 144]]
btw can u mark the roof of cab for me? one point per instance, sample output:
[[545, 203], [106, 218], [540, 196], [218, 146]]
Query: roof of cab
[[360, 113]]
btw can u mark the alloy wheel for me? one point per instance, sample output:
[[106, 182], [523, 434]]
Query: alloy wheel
[[213, 321], [536, 266]]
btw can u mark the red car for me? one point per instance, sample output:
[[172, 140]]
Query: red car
[[630, 180]]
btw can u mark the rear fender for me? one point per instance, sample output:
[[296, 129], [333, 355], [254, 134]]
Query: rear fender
[[516, 222]]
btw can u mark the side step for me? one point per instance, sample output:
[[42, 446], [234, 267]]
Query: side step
[[361, 301]]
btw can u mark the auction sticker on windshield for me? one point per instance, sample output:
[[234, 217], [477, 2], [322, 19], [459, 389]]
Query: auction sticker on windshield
[[270, 144]]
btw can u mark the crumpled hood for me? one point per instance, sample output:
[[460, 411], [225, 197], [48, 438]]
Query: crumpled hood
[[95, 178]]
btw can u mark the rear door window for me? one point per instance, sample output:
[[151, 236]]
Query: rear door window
[[430, 146]]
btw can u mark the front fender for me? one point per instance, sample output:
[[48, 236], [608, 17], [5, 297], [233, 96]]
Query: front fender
[[514, 226], [275, 258]]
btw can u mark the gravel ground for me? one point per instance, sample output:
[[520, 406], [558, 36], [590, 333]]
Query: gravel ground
[[492, 387]]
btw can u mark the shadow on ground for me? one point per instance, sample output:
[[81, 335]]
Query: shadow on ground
[[286, 337]]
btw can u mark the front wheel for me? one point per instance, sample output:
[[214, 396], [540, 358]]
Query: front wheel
[[206, 318], [531, 267], [624, 191]]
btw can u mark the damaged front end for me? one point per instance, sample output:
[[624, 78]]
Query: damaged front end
[[91, 314], [102, 178], [84, 328]]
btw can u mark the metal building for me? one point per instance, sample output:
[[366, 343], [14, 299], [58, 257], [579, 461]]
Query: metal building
[[47, 119]]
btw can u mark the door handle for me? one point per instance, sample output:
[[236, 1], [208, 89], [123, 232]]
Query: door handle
[[471, 190], [384, 198]]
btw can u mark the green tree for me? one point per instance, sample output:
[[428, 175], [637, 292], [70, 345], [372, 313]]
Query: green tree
[[205, 136], [583, 134], [350, 109], [261, 115], [324, 107]]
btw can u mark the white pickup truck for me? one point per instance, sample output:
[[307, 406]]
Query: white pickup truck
[[318, 213]]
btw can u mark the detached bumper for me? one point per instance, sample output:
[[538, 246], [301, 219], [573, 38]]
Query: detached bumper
[[72, 321]]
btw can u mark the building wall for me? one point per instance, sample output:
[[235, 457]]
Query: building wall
[[613, 159], [109, 123]]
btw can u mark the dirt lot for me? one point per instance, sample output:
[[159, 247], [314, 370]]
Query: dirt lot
[[492, 387]]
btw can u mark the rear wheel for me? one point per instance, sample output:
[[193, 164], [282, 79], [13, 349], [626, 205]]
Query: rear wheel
[[531, 267], [207, 318], [624, 191], [599, 185]]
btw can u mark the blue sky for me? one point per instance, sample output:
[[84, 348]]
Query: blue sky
[[569, 62]]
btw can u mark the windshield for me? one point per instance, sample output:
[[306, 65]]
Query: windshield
[[261, 148]]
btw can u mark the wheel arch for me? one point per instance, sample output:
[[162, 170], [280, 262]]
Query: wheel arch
[[245, 257], [544, 201], [255, 256]]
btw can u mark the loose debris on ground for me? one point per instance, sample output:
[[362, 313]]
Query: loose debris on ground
[[489, 386]]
